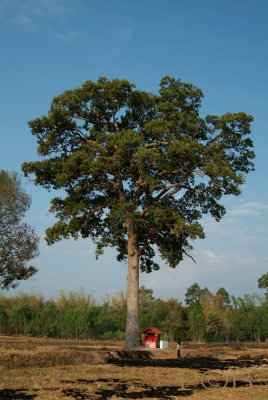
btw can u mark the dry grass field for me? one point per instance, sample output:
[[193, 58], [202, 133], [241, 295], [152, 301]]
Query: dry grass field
[[33, 368]]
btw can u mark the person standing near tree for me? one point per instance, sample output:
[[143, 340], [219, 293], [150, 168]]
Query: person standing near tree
[[179, 349]]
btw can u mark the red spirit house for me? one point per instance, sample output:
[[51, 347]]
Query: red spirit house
[[151, 337]]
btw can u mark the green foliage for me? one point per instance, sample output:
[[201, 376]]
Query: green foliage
[[114, 335], [192, 294], [197, 322], [76, 315], [250, 317], [127, 156], [173, 323], [18, 241], [165, 315], [263, 283], [3, 321], [218, 337], [46, 321], [225, 296], [8, 303], [146, 298], [22, 318]]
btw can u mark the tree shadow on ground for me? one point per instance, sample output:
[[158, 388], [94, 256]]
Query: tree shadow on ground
[[200, 363], [163, 392], [16, 394], [123, 389]]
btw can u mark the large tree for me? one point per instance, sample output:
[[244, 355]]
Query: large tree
[[139, 171], [18, 241]]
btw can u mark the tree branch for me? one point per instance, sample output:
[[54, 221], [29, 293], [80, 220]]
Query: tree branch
[[86, 139], [174, 191], [200, 194], [95, 209], [156, 144], [188, 255], [168, 172], [78, 117], [166, 189], [114, 119]]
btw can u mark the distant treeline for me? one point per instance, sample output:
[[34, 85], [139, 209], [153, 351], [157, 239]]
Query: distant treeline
[[76, 315]]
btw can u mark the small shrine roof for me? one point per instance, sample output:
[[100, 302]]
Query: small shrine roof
[[152, 329]]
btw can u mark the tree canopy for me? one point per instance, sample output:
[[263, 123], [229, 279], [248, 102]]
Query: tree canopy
[[263, 283], [18, 241], [139, 169]]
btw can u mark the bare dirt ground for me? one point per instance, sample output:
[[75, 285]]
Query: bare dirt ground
[[32, 368]]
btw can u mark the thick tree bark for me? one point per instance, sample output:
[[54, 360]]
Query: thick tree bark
[[132, 339]]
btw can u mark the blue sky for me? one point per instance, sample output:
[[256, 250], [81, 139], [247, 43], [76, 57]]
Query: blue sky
[[49, 46]]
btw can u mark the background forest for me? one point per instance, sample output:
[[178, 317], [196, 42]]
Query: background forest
[[76, 315]]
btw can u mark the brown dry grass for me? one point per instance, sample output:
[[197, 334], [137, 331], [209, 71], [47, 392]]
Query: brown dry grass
[[58, 369]]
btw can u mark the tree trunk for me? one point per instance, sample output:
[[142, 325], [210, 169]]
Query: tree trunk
[[132, 338]]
